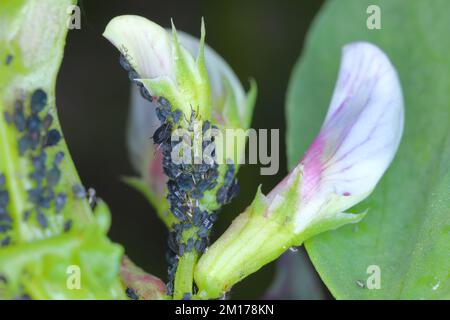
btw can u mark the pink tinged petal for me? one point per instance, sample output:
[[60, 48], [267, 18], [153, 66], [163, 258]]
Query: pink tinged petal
[[146, 286], [362, 129], [146, 45]]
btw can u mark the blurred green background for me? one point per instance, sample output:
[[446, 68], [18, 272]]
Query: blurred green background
[[259, 39]]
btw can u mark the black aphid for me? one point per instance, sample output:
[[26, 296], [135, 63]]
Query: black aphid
[[8, 117], [60, 202], [47, 121], [186, 296], [4, 199], [58, 158], [181, 249], [6, 241], [190, 244], [67, 225], [9, 59], [79, 191], [42, 219], [145, 94], [124, 63], [52, 138], [53, 176], [26, 215], [162, 134], [34, 122], [131, 294], [19, 119], [38, 100]]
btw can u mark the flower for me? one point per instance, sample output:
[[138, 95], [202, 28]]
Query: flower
[[356, 144], [164, 64]]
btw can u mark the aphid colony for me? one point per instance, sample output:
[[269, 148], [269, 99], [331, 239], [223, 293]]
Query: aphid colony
[[5, 219], [35, 137], [187, 182]]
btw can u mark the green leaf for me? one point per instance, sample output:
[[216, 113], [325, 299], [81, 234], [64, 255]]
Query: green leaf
[[407, 230]]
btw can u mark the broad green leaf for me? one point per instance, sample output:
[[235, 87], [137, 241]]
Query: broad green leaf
[[44, 245], [406, 232]]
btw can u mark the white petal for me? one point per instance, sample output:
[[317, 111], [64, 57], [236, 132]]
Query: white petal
[[146, 45], [362, 130]]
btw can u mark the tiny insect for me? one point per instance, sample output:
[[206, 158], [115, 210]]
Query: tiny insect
[[360, 284], [38, 100], [162, 134]]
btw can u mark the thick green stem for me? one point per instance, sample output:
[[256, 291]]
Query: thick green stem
[[184, 277], [253, 242]]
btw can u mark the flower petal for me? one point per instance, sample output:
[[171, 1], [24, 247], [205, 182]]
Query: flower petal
[[362, 129], [146, 45]]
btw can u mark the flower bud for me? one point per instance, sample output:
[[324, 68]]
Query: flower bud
[[355, 146]]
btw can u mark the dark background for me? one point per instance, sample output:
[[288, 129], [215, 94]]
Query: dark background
[[259, 39]]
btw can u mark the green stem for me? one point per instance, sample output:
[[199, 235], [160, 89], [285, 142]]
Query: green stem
[[184, 277]]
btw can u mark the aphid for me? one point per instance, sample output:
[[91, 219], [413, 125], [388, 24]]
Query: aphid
[[207, 223], [6, 241], [162, 134], [169, 288], [186, 296], [34, 122], [38, 100], [200, 245], [145, 94], [185, 182], [60, 202], [132, 75], [58, 158], [3, 278], [26, 215], [202, 232], [42, 219], [52, 139], [181, 249], [8, 117], [221, 195], [176, 115], [5, 218], [47, 122], [67, 225], [9, 59], [190, 244], [124, 63], [164, 102], [172, 242], [4, 228], [4, 199], [53, 176], [34, 137], [2, 180], [39, 161], [131, 294], [79, 191], [19, 120], [233, 191], [178, 214]]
